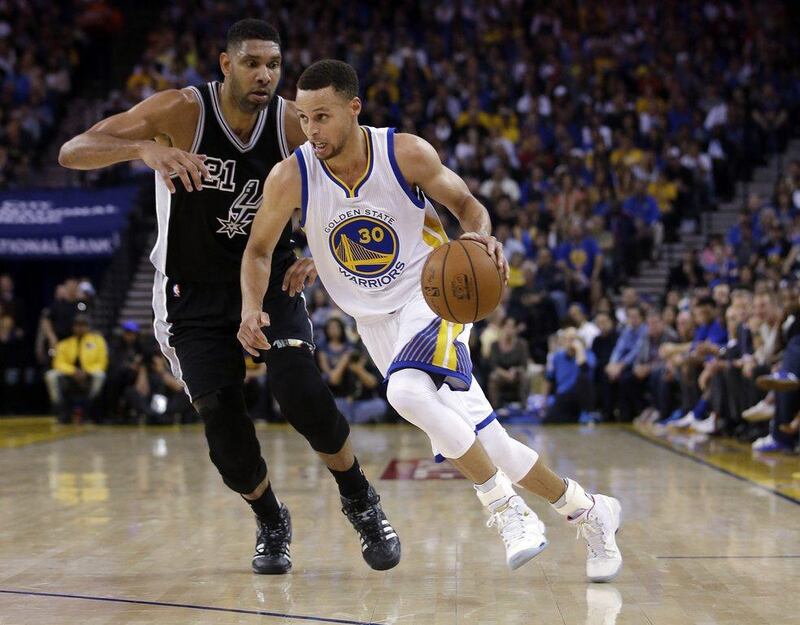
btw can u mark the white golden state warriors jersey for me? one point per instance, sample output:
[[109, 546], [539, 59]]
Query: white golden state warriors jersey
[[369, 242]]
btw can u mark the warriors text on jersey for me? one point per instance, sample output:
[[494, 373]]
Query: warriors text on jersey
[[369, 242], [202, 234]]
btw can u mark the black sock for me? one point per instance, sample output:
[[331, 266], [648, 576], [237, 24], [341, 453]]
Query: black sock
[[351, 482], [266, 507]]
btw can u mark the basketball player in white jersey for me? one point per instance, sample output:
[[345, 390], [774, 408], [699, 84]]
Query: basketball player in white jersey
[[362, 192]]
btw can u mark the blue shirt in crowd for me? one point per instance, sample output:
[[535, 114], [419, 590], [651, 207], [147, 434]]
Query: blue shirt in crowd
[[644, 208], [580, 256], [712, 332], [563, 371], [629, 344]]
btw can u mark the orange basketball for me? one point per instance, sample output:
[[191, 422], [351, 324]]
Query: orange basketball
[[461, 282]]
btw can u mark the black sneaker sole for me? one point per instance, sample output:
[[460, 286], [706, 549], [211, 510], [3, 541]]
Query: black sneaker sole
[[276, 570], [385, 565]]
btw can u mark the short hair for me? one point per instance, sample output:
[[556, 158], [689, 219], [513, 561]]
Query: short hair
[[250, 28], [330, 73], [707, 301]]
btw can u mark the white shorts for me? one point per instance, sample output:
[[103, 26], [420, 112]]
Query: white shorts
[[413, 337]]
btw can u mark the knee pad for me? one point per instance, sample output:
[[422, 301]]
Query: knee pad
[[305, 400], [511, 457], [409, 392], [232, 442], [413, 395]]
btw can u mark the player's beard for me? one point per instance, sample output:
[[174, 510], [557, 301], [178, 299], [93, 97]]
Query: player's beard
[[336, 149], [240, 96]]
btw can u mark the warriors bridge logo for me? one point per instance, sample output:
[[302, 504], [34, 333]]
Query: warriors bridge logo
[[365, 247]]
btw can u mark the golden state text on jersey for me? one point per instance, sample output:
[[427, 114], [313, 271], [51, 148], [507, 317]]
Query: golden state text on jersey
[[370, 239], [366, 247]]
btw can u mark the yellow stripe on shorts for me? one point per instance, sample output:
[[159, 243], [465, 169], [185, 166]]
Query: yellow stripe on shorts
[[445, 353]]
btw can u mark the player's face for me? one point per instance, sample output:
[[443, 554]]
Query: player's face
[[252, 71], [327, 119]]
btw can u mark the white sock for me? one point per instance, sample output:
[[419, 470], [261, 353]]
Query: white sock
[[488, 484], [574, 501], [495, 492]]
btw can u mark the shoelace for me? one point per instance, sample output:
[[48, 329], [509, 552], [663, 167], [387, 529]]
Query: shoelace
[[510, 523], [593, 536], [272, 540], [367, 522]]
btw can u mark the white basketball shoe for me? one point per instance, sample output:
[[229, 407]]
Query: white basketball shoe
[[521, 530], [598, 525], [519, 527]]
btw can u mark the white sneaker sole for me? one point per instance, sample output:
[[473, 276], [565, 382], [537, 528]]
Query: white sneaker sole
[[704, 429], [607, 578], [526, 555], [758, 417]]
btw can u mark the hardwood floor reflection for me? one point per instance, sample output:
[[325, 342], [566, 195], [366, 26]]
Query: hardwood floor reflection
[[133, 525]]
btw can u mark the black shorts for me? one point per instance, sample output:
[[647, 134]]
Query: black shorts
[[196, 325]]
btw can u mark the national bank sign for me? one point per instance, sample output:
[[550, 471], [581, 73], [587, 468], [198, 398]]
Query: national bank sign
[[72, 223]]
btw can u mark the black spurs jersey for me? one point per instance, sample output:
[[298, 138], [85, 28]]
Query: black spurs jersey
[[202, 234]]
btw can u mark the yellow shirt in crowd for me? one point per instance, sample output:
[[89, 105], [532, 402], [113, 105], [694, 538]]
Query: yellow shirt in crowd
[[90, 351]]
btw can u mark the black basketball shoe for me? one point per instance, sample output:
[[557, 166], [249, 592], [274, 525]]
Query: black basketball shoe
[[272, 545], [380, 545]]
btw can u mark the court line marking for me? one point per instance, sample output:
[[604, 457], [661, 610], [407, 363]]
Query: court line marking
[[189, 606], [9, 440], [666, 446], [723, 557]]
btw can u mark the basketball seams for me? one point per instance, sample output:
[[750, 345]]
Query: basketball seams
[[474, 278], [455, 281], [444, 292]]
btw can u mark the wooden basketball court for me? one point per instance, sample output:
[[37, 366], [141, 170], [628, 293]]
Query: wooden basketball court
[[133, 525]]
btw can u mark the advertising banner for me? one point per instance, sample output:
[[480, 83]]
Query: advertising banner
[[63, 223]]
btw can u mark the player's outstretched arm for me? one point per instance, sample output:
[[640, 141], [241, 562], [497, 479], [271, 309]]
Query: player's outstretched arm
[[152, 131], [282, 195], [420, 165]]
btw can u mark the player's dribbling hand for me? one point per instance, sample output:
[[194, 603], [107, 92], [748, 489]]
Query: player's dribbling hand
[[250, 334], [300, 275], [190, 168], [493, 247]]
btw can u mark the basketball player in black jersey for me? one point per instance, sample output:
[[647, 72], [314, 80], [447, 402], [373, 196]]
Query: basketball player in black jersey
[[211, 147]]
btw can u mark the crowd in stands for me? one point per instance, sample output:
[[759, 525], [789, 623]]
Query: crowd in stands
[[124, 379], [16, 371], [594, 133], [41, 45]]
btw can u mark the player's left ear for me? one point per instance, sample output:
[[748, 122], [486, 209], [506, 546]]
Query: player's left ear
[[355, 106], [225, 63]]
